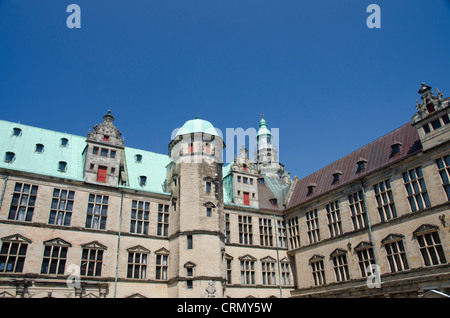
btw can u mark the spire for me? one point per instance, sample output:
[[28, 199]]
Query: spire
[[263, 128]]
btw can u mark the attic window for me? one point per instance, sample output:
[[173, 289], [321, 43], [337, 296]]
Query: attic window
[[138, 158], [244, 167], [142, 181], [430, 108], [261, 180], [17, 132], [311, 188], [395, 148], [105, 138], [361, 165], [39, 148], [62, 166], [273, 201], [64, 142], [10, 157], [336, 176]]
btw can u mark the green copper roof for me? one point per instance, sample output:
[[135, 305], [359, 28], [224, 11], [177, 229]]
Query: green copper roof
[[46, 162], [263, 129], [197, 125], [27, 159]]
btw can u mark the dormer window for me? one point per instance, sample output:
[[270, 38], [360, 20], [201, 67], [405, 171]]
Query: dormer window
[[361, 165], [64, 142], [336, 176], [39, 148], [138, 158], [261, 180], [395, 148], [62, 166], [17, 132], [273, 201], [311, 188], [10, 157], [142, 181]]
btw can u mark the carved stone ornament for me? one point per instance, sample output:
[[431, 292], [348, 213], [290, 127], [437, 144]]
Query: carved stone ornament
[[211, 290], [106, 132]]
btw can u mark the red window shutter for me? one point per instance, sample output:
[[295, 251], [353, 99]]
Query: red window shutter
[[246, 198], [101, 174], [191, 147], [208, 148], [105, 138]]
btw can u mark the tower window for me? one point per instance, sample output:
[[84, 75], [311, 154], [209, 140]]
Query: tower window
[[39, 148], [430, 108], [10, 157], [105, 138], [208, 212], [207, 148], [436, 124], [62, 166], [104, 152], [112, 154], [64, 142], [208, 187], [189, 242], [244, 167], [95, 150], [191, 148], [17, 132], [138, 158]]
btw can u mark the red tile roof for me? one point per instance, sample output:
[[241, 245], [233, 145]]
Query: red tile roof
[[378, 155]]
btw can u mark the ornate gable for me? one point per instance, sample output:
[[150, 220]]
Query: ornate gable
[[106, 132]]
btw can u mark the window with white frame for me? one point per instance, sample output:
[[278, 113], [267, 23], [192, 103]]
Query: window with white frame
[[140, 215], [312, 223], [443, 165], [366, 256], [281, 227], [55, 257], [245, 229], [385, 200], [23, 202], [62, 206], [97, 211], [247, 270], [334, 219], [137, 262], [395, 251], [357, 207], [294, 232], [416, 189], [318, 270], [161, 265], [339, 258], [268, 271], [265, 232], [12, 253], [430, 245], [285, 272]]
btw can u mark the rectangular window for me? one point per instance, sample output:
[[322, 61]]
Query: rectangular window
[[137, 265], [247, 272], [431, 249], [23, 202], [208, 187], [161, 267], [101, 174], [91, 262], [416, 189], [140, 215], [227, 228], [341, 268], [265, 232], [281, 227], [396, 256], [318, 271], [385, 200], [189, 242], [245, 230], [334, 219], [61, 208], [285, 274], [112, 154], [365, 258], [359, 216], [104, 152], [443, 165], [312, 223], [95, 150], [245, 180], [294, 232], [97, 211], [54, 260], [268, 273], [229, 281], [208, 212], [163, 220], [12, 257]]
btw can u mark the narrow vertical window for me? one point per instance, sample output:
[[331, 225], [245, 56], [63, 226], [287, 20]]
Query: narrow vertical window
[[443, 165], [97, 212], [312, 223], [61, 207], [416, 189], [163, 220], [359, 215], [23, 202], [385, 200]]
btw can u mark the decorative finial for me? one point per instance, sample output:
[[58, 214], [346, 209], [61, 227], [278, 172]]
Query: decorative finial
[[262, 115]]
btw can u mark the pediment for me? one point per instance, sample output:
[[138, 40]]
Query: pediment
[[94, 245], [316, 258], [162, 251], [268, 259], [425, 228], [138, 249], [391, 238], [247, 257], [362, 246], [58, 242], [337, 252], [16, 238]]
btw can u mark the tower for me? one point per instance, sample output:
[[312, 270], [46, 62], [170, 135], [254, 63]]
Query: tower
[[266, 154], [104, 153], [197, 226], [432, 118]]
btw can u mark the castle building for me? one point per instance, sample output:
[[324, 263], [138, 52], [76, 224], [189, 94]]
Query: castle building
[[88, 217]]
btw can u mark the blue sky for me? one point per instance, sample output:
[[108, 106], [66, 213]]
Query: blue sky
[[319, 74]]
